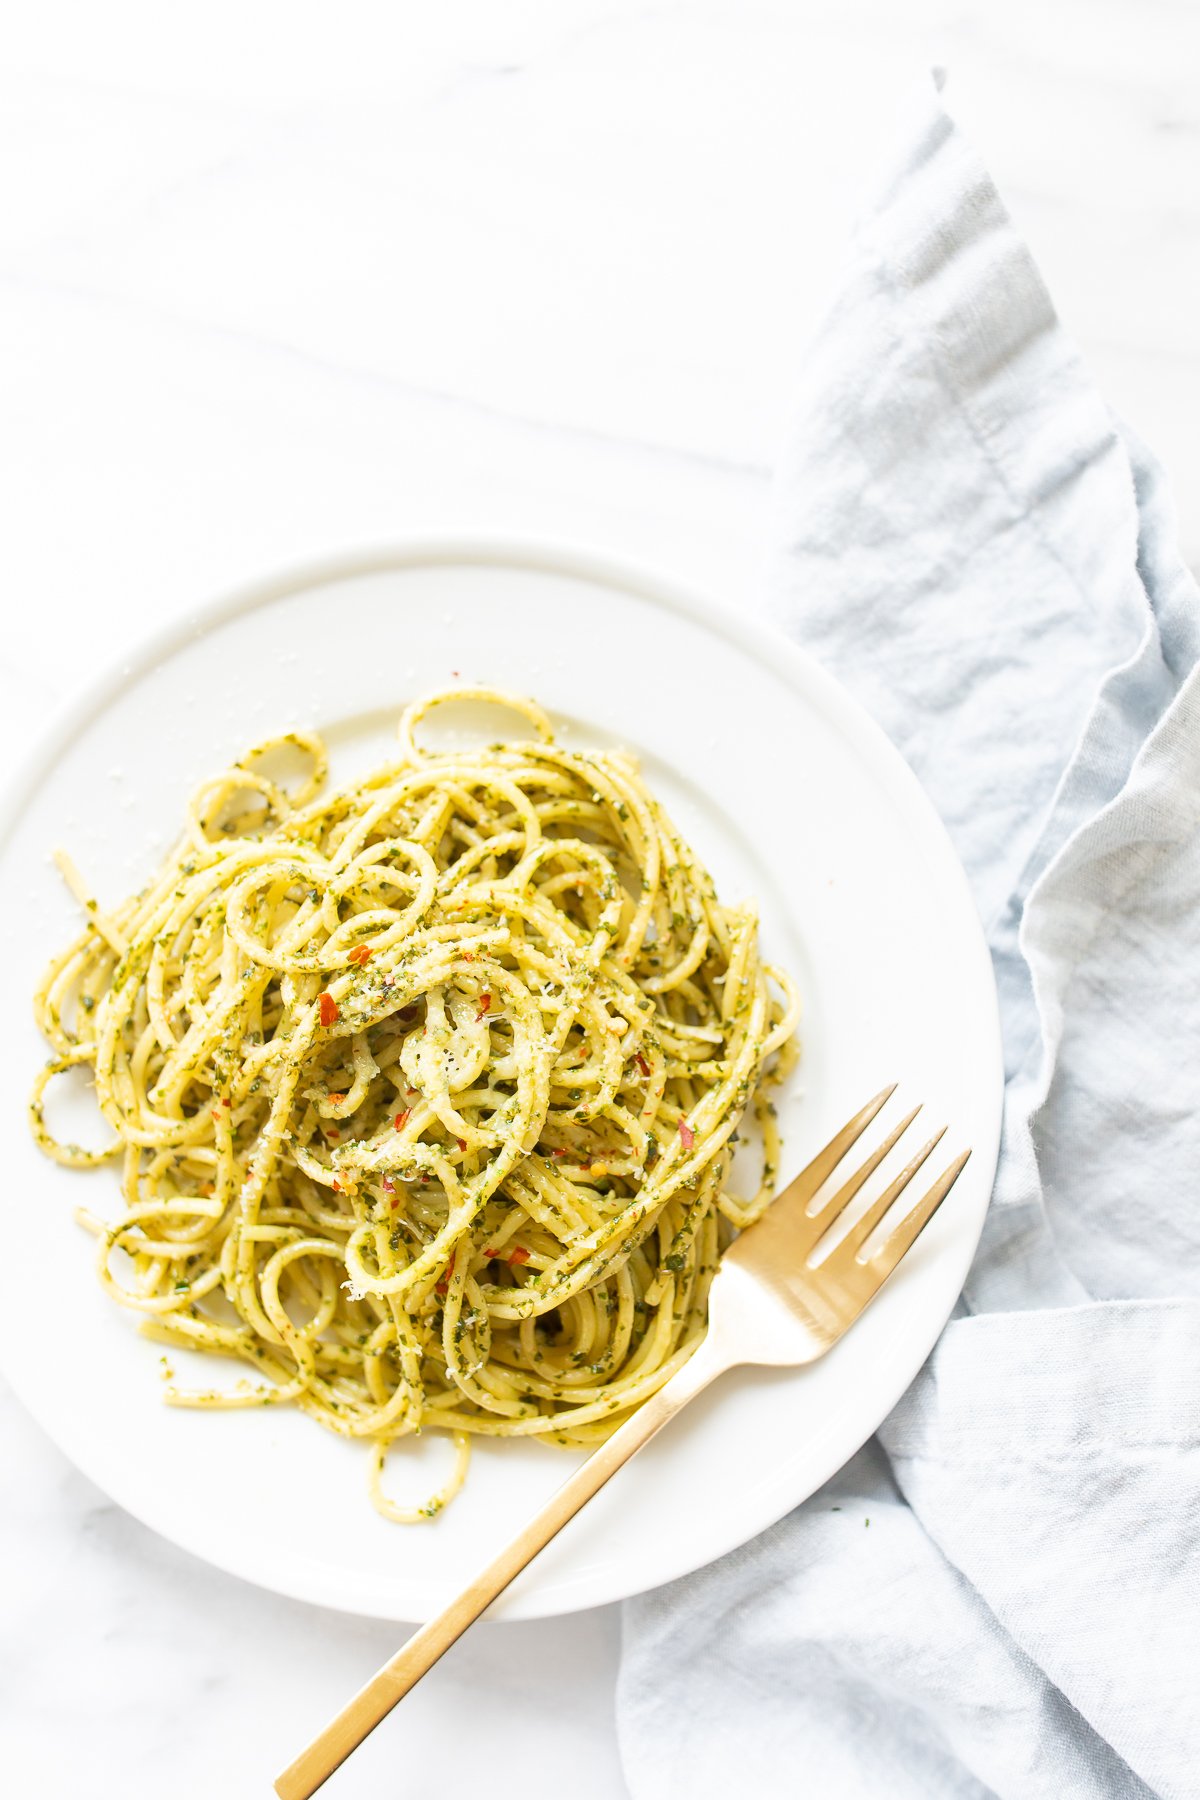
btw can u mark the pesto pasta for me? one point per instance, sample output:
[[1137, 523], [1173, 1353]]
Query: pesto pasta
[[425, 1089]]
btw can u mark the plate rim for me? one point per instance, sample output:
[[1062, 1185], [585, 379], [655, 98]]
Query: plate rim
[[804, 673]]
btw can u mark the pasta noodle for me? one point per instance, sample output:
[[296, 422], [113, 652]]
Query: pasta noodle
[[424, 1089]]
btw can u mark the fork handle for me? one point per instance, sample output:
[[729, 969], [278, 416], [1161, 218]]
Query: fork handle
[[373, 1702]]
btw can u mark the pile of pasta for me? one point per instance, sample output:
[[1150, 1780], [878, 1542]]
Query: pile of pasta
[[424, 1089]]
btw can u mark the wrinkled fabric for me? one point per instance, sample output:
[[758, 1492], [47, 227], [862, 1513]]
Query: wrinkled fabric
[[1000, 1595]]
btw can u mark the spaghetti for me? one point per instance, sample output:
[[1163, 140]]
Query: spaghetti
[[425, 1089]]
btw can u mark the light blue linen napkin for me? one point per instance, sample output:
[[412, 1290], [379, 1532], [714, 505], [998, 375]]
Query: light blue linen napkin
[[1001, 1594]]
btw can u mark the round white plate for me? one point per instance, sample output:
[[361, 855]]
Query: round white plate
[[786, 789]]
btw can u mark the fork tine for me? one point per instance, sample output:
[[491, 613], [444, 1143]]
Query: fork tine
[[902, 1239], [826, 1161], [862, 1228], [834, 1207]]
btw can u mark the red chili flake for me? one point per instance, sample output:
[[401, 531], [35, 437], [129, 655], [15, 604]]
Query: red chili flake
[[337, 1187], [456, 673], [360, 954], [519, 1255], [560, 1153], [491, 1255], [469, 956], [402, 1118], [393, 1204], [388, 1185], [687, 1134], [332, 1131], [336, 1099], [227, 1102], [329, 1008], [461, 1142], [215, 1112], [485, 1002], [642, 1064]]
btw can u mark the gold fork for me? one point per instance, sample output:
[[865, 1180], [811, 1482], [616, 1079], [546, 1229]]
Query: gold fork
[[781, 1297]]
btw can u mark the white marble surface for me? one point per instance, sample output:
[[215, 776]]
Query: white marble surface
[[277, 278]]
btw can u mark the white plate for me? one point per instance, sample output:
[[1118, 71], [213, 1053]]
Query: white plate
[[786, 789]]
